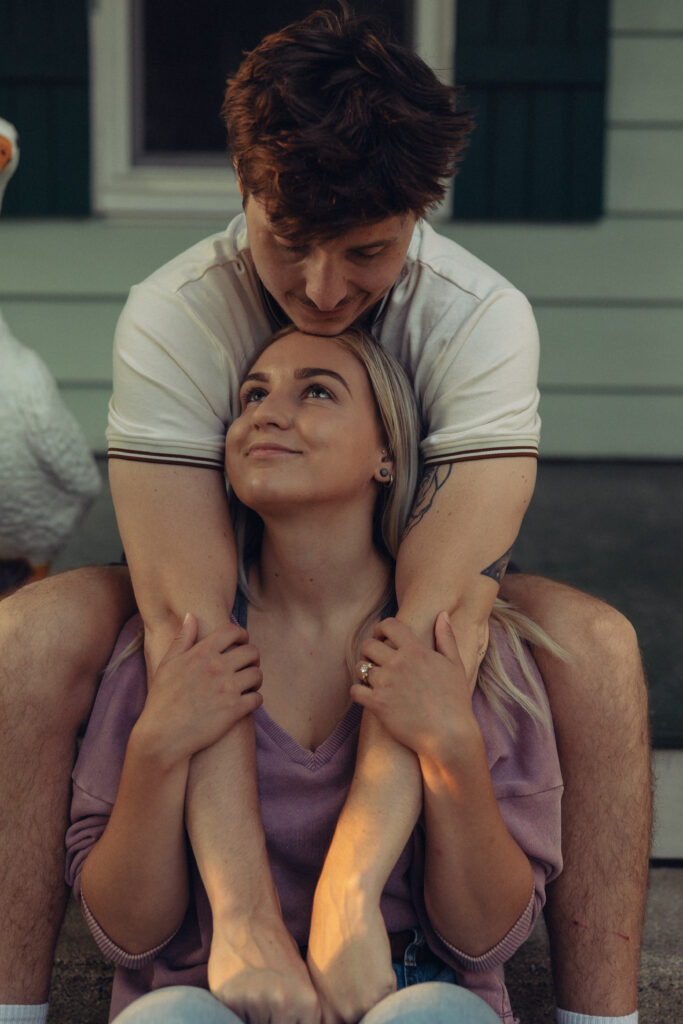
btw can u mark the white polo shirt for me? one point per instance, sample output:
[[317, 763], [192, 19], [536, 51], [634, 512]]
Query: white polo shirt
[[190, 331]]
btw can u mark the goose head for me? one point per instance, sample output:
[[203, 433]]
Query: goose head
[[9, 154]]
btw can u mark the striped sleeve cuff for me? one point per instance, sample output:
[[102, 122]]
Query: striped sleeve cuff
[[114, 952], [503, 950], [473, 454], [165, 458]]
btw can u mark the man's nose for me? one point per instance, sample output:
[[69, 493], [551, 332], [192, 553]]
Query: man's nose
[[325, 282]]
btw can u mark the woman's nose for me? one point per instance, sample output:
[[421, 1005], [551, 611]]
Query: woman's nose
[[325, 282], [273, 409]]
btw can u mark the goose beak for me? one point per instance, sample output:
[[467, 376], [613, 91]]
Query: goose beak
[[6, 150]]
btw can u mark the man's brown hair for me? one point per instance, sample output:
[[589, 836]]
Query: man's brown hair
[[331, 123]]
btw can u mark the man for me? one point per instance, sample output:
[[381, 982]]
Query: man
[[341, 141]]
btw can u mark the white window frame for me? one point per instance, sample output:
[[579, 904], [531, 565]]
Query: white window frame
[[120, 188]]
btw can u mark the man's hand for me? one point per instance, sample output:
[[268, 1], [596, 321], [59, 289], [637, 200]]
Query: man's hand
[[348, 954], [421, 696], [256, 969], [200, 690]]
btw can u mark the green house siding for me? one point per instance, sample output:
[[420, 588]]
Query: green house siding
[[44, 93], [535, 76]]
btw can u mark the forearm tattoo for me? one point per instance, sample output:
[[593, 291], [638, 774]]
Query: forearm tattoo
[[432, 481], [496, 570]]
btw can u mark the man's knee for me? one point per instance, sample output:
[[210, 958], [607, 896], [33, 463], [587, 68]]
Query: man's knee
[[602, 683], [56, 636]]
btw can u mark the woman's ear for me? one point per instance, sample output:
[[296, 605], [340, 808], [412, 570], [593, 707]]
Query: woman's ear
[[384, 474]]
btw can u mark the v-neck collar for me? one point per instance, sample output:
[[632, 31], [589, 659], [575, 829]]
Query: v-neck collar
[[324, 753]]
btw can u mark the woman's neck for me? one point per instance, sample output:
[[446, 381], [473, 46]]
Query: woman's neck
[[319, 571]]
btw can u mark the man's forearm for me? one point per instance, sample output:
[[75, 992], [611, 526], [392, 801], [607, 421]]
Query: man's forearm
[[456, 547], [380, 812]]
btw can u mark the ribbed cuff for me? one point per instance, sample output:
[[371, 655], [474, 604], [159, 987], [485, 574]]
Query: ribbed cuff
[[504, 949], [131, 961], [29, 1013], [568, 1017]]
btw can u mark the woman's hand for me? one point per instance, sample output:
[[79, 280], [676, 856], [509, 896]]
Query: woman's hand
[[421, 696], [199, 691]]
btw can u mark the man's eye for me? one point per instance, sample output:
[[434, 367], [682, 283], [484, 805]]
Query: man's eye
[[291, 250], [366, 254]]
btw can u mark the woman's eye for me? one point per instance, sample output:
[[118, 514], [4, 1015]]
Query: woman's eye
[[318, 391], [253, 395]]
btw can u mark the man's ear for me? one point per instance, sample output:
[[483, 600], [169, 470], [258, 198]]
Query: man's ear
[[239, 180]]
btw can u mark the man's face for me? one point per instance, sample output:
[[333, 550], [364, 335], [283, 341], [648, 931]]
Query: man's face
[[325, 286]]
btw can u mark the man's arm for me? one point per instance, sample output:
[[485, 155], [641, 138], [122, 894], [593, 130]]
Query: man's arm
[[457, 543], [176, 531], [465, 519]]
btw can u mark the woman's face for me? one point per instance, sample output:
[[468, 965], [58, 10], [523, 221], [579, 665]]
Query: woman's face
[[308, 432]]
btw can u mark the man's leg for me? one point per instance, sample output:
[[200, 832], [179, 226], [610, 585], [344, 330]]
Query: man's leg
[[599, 704], [55, 637]]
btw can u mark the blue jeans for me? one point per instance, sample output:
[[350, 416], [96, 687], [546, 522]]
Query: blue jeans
[[427, 994]]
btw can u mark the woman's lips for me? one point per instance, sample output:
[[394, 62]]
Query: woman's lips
[[271, 449]]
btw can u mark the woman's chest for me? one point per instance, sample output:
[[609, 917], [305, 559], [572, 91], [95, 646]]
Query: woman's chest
[[305, 688]]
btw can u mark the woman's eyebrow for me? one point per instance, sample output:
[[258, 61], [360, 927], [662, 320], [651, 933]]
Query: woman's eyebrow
[[318, 371]]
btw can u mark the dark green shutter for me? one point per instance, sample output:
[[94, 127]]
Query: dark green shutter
[[44, 92], [535, 73]]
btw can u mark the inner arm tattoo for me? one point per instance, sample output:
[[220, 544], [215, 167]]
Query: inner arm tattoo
[[431, 483], [496, 570]]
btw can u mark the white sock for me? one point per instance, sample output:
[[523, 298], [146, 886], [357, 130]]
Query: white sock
[[568, 1017], [34, 1013]]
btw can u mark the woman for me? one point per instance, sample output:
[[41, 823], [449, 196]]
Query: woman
[[322, 461]]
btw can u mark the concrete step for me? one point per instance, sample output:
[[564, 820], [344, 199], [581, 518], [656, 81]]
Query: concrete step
[[82, 979]]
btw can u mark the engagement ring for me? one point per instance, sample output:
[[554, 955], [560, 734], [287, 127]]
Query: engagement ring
[[365, 672]]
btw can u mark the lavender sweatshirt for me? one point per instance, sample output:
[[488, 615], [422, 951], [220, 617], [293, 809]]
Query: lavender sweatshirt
[[301, 794]]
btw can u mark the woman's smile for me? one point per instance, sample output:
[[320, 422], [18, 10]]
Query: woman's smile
[[268, 449]]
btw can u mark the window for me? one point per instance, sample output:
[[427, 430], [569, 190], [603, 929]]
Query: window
[[44, 92], [535, 73], [121, 99], [158, 73]]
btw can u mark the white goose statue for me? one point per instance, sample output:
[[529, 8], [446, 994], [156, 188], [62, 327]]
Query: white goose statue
[[48, 476]]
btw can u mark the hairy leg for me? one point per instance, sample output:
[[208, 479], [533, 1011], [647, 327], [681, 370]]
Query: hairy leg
[[55, 637], [599, 704]]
